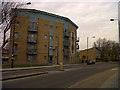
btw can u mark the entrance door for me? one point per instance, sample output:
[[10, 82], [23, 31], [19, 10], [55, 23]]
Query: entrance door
[[50, 59]]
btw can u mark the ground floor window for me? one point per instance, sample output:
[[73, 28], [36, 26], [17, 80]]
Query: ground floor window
[[15, 57], [31, 57]]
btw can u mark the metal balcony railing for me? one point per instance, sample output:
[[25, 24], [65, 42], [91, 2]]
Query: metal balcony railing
[[66, 43], [31, 51], [77, 46], [32, 41], [66, 51], [67, 34]]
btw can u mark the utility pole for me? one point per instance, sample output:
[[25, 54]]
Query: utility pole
[[87, 48], [14, 18]]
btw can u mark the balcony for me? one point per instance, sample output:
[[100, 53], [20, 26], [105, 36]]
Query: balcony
[[66, 52], [77, 46], [67, 34], [33, 27], [32, 41], [31, 51], [77, 39], [32, 30], [66, 43]]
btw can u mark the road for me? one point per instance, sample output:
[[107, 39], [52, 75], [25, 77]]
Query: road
[[71, 77]]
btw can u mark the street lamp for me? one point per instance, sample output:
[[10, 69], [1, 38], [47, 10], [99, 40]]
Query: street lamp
[[87, 46], [15, 15], [118, 26]]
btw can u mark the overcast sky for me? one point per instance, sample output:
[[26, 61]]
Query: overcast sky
[[91, 17]]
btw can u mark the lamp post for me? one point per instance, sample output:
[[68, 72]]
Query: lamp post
[[14, 18], [118, 26], [87, 46]]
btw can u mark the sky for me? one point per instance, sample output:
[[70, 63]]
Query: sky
[[91, 16]]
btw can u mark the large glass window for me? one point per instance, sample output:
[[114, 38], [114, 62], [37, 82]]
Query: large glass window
[[32, 37], [33, 25], [31, 46], [51, 27], [31, 57]]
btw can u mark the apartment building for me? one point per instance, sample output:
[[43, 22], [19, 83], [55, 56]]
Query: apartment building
[[42, 38]]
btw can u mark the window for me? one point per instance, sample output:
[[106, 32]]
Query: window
[[31, 46], [15, 57], [72, 34], [45, 47], [56, 47], [16, 24], [15, 46], [31, 57], [64, 30], [46, 36], [16, 35], [51, 37], [32, 37], [55, 57], [50, 47], [56, 37], [46, 26], [51, 27], [33, 25], [72, 49], [56, 28], [44, 57]]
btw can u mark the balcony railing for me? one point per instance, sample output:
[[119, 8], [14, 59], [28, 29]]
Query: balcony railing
[[33, 30], [66, 43], [67, 34], [32, 41], [31, 51], [66, 51], [77, 39], [77, 46]]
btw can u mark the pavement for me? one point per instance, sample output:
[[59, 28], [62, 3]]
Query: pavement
[[37, 67], [15, 73], [106, 79]]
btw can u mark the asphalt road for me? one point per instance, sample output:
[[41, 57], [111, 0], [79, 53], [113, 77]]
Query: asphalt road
[[60, 79]]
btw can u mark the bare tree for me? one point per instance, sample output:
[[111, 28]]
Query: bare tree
[[6, 14], [110, 50]]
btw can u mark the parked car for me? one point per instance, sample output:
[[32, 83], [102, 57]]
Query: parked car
[[90, 62]]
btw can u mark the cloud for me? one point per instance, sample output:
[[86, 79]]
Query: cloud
[[91, 17]]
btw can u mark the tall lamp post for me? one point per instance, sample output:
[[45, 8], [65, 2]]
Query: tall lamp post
[[118, 26], [87, 46], [14, 18]]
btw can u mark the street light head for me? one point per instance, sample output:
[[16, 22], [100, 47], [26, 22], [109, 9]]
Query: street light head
[[112, 19], [28, 3]]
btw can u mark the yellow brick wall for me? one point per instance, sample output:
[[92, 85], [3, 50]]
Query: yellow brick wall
[[91, 54], [58, 42], [42, 31], [72, 55], [21, 41]]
